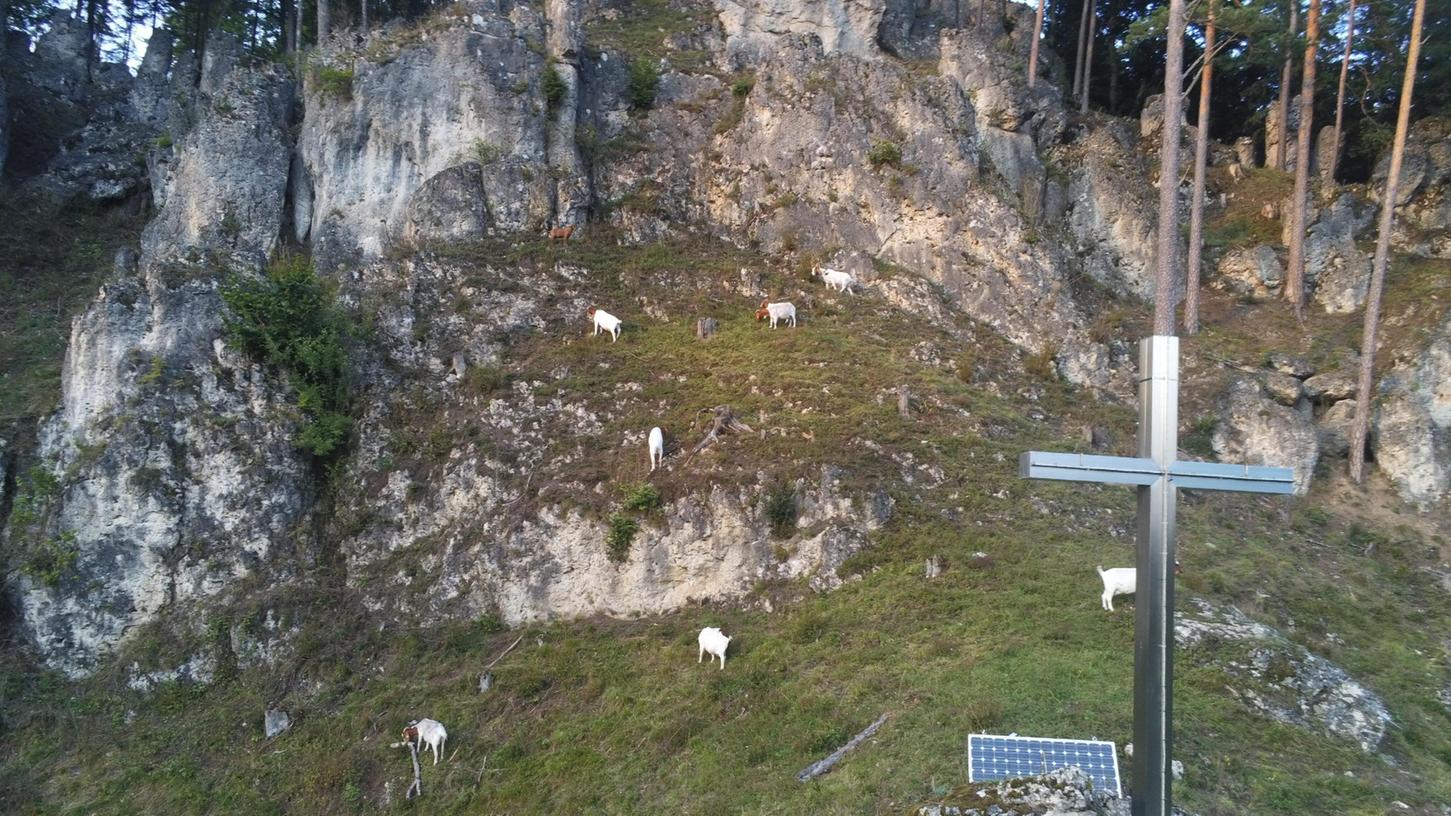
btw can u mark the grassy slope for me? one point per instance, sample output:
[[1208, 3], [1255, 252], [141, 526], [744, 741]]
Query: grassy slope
[[613, 716], [53, 262]]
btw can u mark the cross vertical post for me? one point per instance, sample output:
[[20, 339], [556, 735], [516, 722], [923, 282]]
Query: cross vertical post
[[1158, 476], [1154, 596]]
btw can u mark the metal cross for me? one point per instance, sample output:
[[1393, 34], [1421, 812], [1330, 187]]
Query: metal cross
[[1158, 476]]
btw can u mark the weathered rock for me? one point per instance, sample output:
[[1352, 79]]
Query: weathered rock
[[1256, 430], [936, 565], [1292, 364], [754, 27], [175, 455], [1411, 438], [274, 722], [1244, 152], [363, 174], [1336, 426], [1331, 386], [1334, 265], [1059, 792], [1254, 272], [1325, 148], [1283, 388], [1423, 206], [1112, 212], [1283, 680], [449, 207], [1272, 133], [486, 682]]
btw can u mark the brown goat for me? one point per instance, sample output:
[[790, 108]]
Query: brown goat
[[561, 233]]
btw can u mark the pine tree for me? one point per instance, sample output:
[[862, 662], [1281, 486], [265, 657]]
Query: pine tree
[[1165, 273], [1033, 51], [1295, 274], [1196, 206], [1277, 156], [1382, 252], [1088, 56], [1329, 172]]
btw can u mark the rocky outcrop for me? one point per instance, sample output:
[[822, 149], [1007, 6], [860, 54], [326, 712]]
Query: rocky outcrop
[[1256, 430], [1335, 266], [1282, 680], [753, 27], [173, 455], [1423, 206], [380, 125], [1411, 432], [1059, 792], [1254, 272]]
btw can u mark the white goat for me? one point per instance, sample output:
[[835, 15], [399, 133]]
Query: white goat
[[712, 641], [657, 448], [425, 732], [1121, 581], [606, 322], [777, 312], [835, 279]]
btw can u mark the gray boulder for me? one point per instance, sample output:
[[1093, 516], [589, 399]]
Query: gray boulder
[[1280, 679], [1411, 439], [1284, 389], [1423, 207], [1254, 272], [1336, 426], [1254, 429], [1331, 386], [449, 207], [275, 721]]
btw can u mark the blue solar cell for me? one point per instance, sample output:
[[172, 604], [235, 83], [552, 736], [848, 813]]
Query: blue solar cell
[[991, 757]]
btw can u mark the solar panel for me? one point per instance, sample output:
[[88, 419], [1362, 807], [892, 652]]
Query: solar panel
[[991, 757]]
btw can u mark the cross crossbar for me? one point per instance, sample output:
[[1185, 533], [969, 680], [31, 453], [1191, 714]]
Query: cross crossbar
[[1124, 470]]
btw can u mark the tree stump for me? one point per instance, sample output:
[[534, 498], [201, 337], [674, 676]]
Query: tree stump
[[705, 328]]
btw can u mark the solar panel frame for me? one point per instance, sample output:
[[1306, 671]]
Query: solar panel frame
[[1102, 749]]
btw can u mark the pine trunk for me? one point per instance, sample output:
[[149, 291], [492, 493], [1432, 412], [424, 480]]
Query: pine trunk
[[1088, 56], [1033, 51], [1329, 172], [289, 36], [1166, 256], [1295, 274], [1078, 55], [363, 7], [1277, 154], [1201, 161], [324, 20], [1382, 252]]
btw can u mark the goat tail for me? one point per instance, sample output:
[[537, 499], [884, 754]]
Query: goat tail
[[1100, 569]]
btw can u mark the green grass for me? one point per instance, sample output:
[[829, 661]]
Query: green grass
[[613, 716], [643, 27]]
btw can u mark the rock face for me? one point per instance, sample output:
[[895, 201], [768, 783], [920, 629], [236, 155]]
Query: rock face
[[1337, 269], [1255, 272], [752, 27], [164, 434], [1255, 429], [1282, 680], [379, 131], [1411, 430], [1423, 208]]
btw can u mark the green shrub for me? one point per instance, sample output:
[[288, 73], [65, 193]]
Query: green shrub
[[743, 86], [779, 505], [485, 153], [642, 498], [554, 87], [333, 81], [621, 533], [884, 152], [486, 380], [289, 320], [967, 366], [644, 82], [49, 560], [1200, 439]]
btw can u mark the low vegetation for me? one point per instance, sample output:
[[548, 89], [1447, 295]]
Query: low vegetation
[[334, 81], [288, 320], [884, 153], [644, 84]]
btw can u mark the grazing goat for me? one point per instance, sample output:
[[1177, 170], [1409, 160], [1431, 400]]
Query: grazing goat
[[657, 448], [606, 322], [835, 279], [777, 312], [1122, 581], [561, 233], [426, 733], [712, 641]]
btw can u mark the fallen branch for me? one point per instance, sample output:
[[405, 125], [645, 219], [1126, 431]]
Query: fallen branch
[[416, 789], [816, 769], [501, 654], [725, 421]]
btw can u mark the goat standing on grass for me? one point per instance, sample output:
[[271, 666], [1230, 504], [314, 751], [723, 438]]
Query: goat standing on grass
[[657, 448], [835, 279], [561, 233], [426, 733], [777, 312], [1122, 581], [606, 322], [712, 641]]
